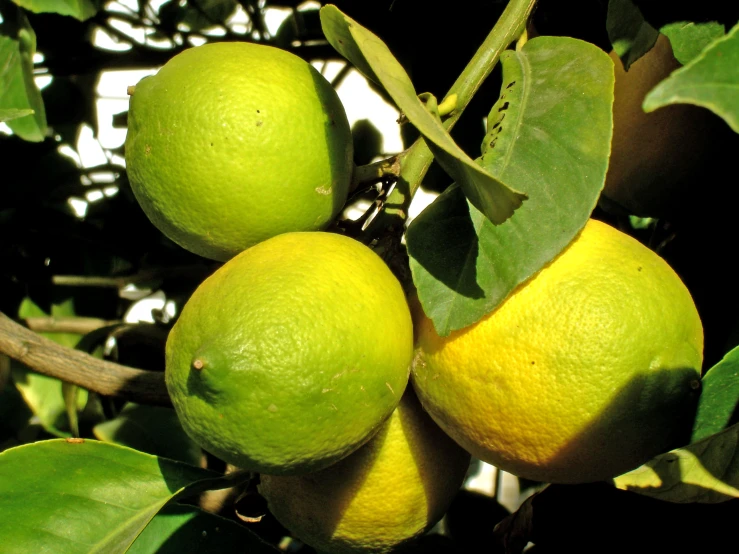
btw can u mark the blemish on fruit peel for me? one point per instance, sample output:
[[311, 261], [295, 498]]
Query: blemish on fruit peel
[[74, 440], [272, 408], [388, 386], [323, 190], [198, 364], [326, 390]]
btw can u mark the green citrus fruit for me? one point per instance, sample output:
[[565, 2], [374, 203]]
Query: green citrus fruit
[[232, 143], [388, 492], [587, 370], [292, 354]]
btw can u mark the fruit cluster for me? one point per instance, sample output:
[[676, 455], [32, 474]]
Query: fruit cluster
[[293, 359]]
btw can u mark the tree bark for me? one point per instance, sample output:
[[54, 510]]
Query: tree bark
[[73, 366]]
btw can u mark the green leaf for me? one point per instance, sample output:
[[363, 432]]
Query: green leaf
[[18, 90], [71, 396], [689, 39], [630, 35], [372, 57], [152, 429], [45, 395], [176, 529], [719, 398], [14, 113], [706, 471], [79, 9], [74, 496], [549, 134], [710, 80]]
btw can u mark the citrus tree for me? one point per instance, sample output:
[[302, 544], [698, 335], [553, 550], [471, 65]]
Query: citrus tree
[[327, 371]]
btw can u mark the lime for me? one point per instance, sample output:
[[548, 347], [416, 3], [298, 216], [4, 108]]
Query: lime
[[587, 370], [292, 354], [232, 143], [388, 492]]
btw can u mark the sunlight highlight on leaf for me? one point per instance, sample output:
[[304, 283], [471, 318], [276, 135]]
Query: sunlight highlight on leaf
[[706, 471]]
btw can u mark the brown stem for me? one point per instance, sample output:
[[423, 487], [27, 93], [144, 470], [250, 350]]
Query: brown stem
[[197, 272], [79, 325], [73, 366]]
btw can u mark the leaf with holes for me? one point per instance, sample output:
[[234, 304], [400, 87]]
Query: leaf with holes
[[549, 134], [630, 35], [706, 471], [710, 80], [177, 529], [719, 401], [73, 496], [373, 58]]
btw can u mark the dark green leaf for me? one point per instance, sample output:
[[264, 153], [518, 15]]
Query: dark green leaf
[[176, 529], [18, 90], [204, 14], [711, 80], [548, 134], [14, 113], [630, 35], [151, 429], [689, 39], [720, 397], [79, 9], [706, 471], [70, 496], [14, 413], [371, 56]]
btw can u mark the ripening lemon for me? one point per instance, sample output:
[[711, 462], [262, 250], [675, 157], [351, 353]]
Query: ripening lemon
[[586, 371], [232, 143], [292, 354], [658, 157], [388, 492]]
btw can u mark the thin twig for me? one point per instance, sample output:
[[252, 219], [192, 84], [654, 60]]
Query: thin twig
[[79, 325], [144, 276], [419, 157], [73, 366]]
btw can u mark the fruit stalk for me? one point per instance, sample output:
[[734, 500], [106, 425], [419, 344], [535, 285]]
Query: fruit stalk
[[417, 159]]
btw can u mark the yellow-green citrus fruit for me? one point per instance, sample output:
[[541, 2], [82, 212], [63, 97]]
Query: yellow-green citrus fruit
[[292, 354], [388, 492], [587, 370], [232, 143]]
